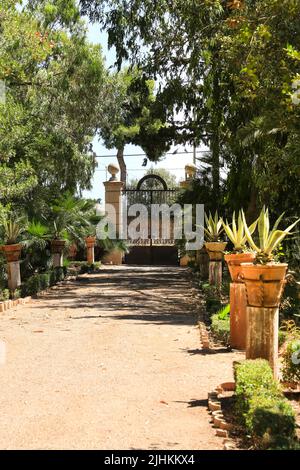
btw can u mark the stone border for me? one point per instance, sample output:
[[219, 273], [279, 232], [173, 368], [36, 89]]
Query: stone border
[[204, 335], [9, 304], [215, 409]]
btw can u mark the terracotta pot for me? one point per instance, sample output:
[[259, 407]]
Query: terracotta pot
[[264, 283], [57, 246], [90, 241], [215, 250], [234, 261], [12, 252]]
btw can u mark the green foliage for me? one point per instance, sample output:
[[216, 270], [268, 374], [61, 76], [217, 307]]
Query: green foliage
[[269, 240], [214, 227], [234, 87], [291, 352], [291, 361], [40, 282], [53, 79], [13, 227], [236, 232], [4, 295], [267, 415], [89, 268], [131, 115], [32, 286]]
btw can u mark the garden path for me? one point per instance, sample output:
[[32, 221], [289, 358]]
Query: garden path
[[112, 361]]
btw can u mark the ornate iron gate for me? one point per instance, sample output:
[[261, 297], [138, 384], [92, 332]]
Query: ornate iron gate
[[151, 189]]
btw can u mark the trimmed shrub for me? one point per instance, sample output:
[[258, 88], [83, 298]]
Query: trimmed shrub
[[40, 282], [32, 286], [44, 281], [261, 406], [60, 274], [52, 277]]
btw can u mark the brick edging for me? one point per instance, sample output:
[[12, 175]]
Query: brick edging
[[12, 303], [218, 420], [9, 304]]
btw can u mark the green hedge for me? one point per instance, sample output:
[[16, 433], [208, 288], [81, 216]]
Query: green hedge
[[40, 282], [261, 406]]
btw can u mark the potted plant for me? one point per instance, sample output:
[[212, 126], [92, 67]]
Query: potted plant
[[13, 229], [264, 278], [58, 241], [238, 304], [241, 253], [214, 245]]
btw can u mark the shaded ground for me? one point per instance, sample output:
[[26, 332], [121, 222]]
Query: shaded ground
[[109, 362]]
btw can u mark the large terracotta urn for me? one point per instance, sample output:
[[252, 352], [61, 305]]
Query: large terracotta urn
[[264, 283], [215, 250], [12, 252], [234, 261], [238, 301]]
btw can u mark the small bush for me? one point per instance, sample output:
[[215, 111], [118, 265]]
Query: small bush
[[89, 268], [4, 295], [32, 286], [261, 406], [52, 278], [44, 281], [60, 274], [220, 324], [40, 282], [271, 416], [221, 329], [291, 362]]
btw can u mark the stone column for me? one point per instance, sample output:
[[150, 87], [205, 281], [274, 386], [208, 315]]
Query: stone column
[[190, 172], [113, 199], [12, 254], [90, 249], [57, 248], [14, 276], [202, 260], [238, 316], [215, 273], [262, 335]]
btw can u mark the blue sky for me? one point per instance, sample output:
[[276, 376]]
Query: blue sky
[[174, 163]]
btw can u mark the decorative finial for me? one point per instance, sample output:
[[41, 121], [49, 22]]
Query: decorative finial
[[113, 170], [190, 171]]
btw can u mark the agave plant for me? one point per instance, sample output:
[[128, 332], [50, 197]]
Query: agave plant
[[13, 229], [214, 227], [236, 232], [269, 240]]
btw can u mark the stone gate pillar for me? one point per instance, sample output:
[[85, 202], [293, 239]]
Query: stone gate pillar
[[190, 173], [113, 199]]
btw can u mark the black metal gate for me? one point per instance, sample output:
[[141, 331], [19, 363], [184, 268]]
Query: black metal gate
[[151, 189]]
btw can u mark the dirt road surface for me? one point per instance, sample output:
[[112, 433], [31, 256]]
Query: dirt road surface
[[112, 361]]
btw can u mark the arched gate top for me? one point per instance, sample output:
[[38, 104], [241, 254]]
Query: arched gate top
[[152, 176]]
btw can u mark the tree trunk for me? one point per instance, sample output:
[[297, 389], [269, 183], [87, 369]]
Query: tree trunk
[[215, 140], [122, 164]]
